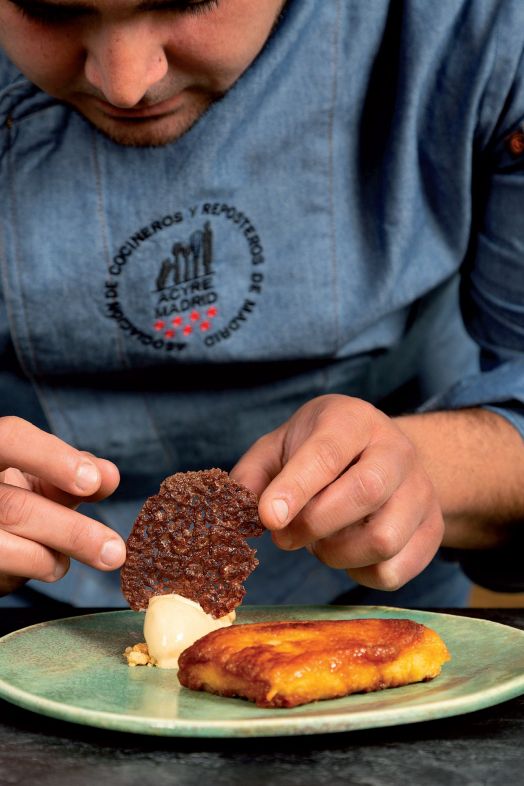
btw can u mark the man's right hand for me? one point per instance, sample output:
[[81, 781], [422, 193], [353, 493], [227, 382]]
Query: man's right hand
[[42, 481]]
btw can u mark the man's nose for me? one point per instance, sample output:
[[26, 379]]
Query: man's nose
[[124, 63]]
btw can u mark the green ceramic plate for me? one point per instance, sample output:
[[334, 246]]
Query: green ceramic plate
[[73, 669]]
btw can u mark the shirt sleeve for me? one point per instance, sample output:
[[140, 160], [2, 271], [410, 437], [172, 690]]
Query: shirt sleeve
[[492, 292], [492, 280]]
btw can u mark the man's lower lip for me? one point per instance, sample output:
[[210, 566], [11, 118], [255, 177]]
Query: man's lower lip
[[136, 118], [152, 113]]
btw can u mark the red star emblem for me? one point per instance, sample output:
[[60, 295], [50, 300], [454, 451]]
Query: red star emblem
[[194, 316], [204, 326], [169, 333], [188, 330], [212, 312], [159, 325], [177, 321]]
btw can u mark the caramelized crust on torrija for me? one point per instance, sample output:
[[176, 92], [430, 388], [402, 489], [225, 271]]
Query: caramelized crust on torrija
[[284, 664]]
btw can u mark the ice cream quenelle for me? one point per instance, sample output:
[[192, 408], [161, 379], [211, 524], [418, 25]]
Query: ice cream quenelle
[[172, 623]]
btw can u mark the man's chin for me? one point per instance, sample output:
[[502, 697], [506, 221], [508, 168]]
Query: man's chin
[[153, 132]]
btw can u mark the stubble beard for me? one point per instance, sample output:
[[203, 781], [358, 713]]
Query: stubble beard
[[149, 133]]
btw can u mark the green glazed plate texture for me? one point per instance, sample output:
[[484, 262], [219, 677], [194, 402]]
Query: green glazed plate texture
[[73, 669]]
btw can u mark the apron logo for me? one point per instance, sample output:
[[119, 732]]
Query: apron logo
[[197, 275], [184, 286]]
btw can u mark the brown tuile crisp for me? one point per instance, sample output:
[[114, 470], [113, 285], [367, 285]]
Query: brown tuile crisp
[[190, 539]]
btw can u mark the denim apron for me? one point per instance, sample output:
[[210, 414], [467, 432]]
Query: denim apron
[[169, 305]]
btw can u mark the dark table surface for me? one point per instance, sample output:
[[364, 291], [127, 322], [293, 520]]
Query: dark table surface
[[477, 749]]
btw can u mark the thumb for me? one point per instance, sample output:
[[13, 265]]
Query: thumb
[[260, 463]]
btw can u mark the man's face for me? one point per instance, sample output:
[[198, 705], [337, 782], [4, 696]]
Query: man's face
[[141, 72]]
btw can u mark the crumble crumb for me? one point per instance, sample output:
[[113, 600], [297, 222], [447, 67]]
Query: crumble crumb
[[138, 655]]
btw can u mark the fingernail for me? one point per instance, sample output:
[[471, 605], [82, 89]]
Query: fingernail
[[60, 570], [112, 553], [87, 476], [281, 510]]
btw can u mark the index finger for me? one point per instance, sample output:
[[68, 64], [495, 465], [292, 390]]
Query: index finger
[[110, 478], [315, 464], [38, 453]]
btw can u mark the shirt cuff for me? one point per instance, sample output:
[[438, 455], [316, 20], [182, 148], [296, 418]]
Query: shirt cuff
[[500, 390]]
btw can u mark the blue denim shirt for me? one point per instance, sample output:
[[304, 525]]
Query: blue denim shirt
[[164, 307]]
